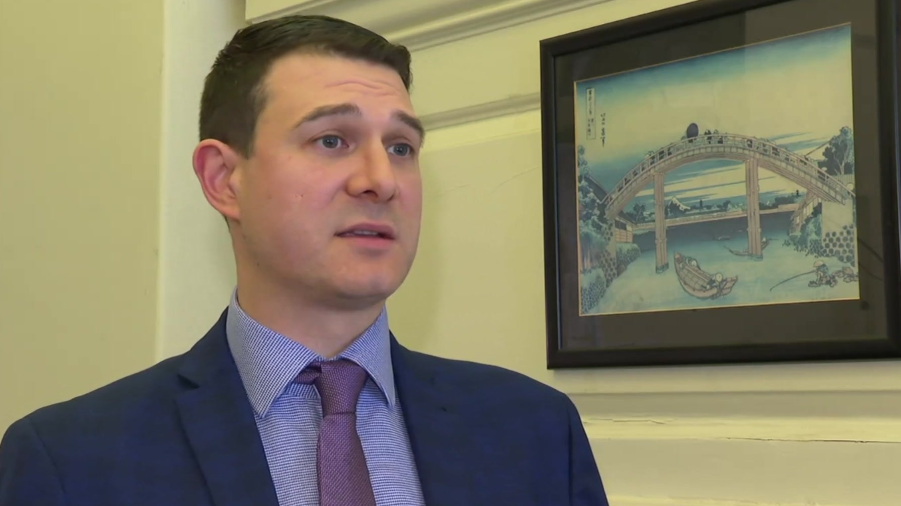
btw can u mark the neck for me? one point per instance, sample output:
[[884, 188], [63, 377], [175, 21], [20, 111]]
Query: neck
[[325, 330]]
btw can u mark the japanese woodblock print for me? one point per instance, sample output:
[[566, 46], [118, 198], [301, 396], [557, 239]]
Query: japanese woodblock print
[[721, 180]]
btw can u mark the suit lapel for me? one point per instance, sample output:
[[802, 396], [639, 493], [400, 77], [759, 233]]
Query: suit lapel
[[219, 423], [438, 432]]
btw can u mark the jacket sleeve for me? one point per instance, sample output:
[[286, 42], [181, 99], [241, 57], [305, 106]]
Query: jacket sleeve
[[27, 473], [586, 485]]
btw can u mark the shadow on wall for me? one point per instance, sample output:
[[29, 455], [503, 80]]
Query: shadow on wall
[[418, 296]]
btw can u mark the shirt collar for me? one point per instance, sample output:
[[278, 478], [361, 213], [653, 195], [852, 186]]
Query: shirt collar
[[268, 361]]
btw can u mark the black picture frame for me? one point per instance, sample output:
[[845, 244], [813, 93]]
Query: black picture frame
[[866, 327]]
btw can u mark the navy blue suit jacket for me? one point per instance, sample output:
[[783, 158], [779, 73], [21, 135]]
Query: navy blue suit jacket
[[183, 433]]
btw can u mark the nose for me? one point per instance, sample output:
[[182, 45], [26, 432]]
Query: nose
[[375, 178]]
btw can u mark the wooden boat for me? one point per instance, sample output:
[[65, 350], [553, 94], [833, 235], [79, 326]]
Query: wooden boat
[[699, 283], [743, 253]]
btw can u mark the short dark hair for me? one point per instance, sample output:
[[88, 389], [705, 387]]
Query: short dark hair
[[234, 91]]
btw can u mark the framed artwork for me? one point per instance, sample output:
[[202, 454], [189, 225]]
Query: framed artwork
[[721, 185]]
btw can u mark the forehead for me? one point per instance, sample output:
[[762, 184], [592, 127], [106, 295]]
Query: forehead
[[298, 83]]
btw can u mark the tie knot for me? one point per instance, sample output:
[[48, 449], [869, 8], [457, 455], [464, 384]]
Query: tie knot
[[339, 383]]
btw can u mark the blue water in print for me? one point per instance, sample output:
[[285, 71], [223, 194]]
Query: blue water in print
[[640, 288]]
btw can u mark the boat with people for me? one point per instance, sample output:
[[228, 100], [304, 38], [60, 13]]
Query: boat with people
[[699, 283]]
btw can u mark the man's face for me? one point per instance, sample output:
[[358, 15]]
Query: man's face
[[329, 203]]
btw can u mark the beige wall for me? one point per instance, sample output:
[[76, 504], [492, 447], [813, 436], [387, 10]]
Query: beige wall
[[80, 90], [78, 276]]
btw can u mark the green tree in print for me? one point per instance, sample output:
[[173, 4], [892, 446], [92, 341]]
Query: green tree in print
[[839, 154], [581, 162]]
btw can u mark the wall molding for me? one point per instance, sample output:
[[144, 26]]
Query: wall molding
[[762, 378], [626, 500], [511, 105], [261, 10], [816, 430], [426, 24], [849, 414], [442, 30]]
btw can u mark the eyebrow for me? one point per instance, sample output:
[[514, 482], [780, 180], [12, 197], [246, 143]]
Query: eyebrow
[[352, 110]]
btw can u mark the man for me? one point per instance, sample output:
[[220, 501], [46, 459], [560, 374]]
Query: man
[[299, 394]]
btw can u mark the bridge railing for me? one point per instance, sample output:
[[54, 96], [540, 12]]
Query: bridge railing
[[801, 165]]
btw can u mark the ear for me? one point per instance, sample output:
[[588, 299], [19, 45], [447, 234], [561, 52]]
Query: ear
[[216, 166]]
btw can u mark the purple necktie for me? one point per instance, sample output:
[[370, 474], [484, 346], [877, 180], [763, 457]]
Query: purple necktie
[[342, 473]]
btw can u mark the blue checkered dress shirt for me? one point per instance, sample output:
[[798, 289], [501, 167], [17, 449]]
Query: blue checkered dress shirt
[[288, 414]]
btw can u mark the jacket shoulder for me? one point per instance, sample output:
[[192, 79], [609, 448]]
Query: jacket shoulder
[[140, 394], [140, 398]]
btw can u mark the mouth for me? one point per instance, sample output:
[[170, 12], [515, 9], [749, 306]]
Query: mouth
[[368, 230]]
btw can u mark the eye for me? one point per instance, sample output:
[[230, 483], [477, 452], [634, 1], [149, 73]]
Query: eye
[[402, 149], [331, 141]]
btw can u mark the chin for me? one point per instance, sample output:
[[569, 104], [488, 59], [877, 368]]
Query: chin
[[367, 281], [371, 290]]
